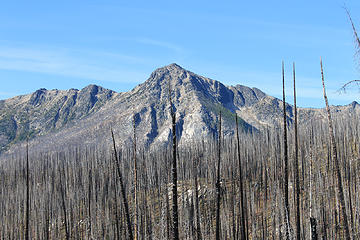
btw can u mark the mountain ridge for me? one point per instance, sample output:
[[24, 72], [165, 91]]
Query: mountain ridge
[[73, 115]]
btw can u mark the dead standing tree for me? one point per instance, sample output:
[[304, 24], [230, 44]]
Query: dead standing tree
[[27, 215], [335, 159], [313, 231], [286, 161], [89, 198], [115, 210], [63, 195], [357, 47], [135, 183], [296, 167], [242, 205], [174, 171], [196, 190], [123, 193], [218, 193]]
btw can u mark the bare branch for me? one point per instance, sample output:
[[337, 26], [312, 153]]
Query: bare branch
[[346, 85], [354, 29]]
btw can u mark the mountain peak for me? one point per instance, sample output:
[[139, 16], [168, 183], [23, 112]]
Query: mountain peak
[[197, 100], [91, 87], [38, 97], [172, 68], [159, 76], [175, 65]]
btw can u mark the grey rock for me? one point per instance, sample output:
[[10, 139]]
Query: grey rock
[[47, 111], [57, 119]]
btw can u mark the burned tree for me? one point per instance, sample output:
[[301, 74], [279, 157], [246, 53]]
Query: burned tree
[[335, 159], [122, 188], [174, 171]]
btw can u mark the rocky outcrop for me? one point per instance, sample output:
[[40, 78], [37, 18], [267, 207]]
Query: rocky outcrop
[[47, 111], [86, 116]]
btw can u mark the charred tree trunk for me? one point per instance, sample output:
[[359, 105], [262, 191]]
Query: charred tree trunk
[[116, 211], [27, 214], [336, 160], [89, 199], [314, 235], [62, 189], [174, 172], [218, 193], [313, 231], [296, 167], [135, 183], [123, 193], [242, 205], [286, 168], [197, 208]]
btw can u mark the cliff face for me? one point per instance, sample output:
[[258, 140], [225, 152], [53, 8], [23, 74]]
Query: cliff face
[[47, 111], [86, 116]]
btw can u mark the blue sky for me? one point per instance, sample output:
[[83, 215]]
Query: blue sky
[[117, 44]]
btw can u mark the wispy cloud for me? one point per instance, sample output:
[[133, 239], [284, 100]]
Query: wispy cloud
[[6, 94], [161, 44], [67, 62]]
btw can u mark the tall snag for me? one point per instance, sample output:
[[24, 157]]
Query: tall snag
[[123, 193], [357, 47], [218, 195], [115, 210], [286, 161], [313, 231], [27, 214], [296, 167], [62, 189], [174, 171], [89, 198], [196, 186], [243, 208], [335, 159], [356, 36], [135, 182]]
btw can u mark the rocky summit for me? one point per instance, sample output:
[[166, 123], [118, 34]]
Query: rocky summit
[[59, 118]]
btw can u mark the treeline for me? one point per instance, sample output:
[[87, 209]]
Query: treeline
[[76, 194]]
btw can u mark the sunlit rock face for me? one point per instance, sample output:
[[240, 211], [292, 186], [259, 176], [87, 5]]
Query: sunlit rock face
[[60, 118]]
